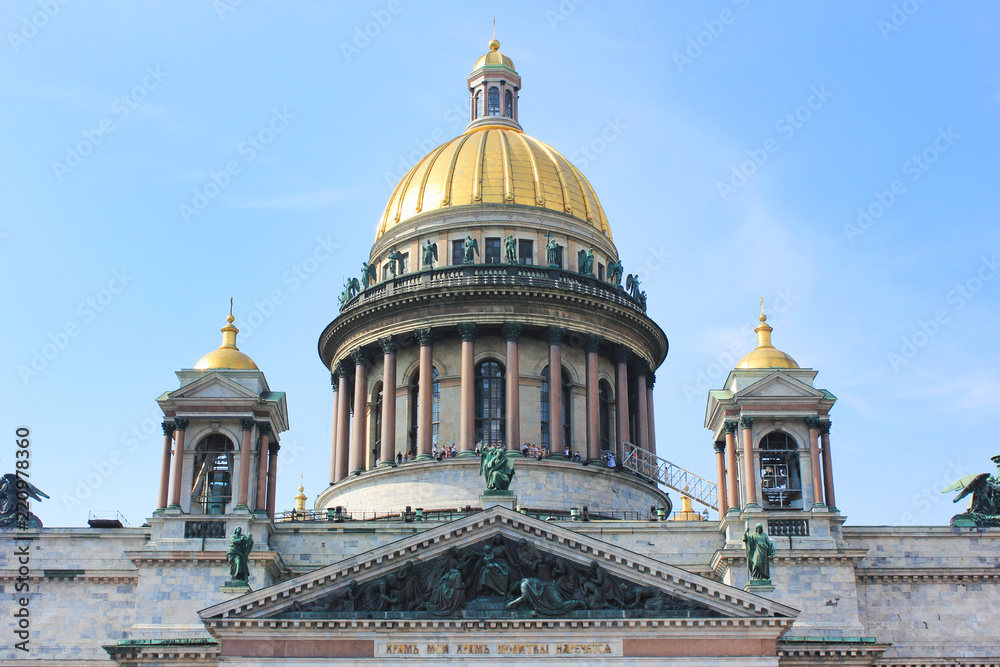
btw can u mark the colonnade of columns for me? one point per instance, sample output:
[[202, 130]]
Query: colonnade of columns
[[172, 466], [348, 445], [730, 484]]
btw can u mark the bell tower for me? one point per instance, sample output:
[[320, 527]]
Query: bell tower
[[221, 436]]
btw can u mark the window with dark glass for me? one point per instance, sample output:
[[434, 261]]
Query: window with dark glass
[[479, 104], [490, 407], [546, 417], [415, 407], [493, 102], [492, 250], [780, 482], [604, 402], [508, 107], [524, 251], [559, 257], [458, 252], [600, 272]]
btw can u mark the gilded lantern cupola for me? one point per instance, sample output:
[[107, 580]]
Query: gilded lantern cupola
[[493, 88]]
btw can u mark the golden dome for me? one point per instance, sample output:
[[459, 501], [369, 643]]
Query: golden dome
[[766, 355], [494, 58], [492, 164], [228, 355]]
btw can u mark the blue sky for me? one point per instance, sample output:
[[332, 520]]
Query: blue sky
[[839, 159]]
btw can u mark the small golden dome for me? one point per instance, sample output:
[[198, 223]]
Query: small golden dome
[[494, 58], [300, 499], [766, 355], [228, 355], [492, 164]]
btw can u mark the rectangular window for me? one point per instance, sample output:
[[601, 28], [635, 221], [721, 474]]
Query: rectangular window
[[600, 272], [385, 271], [405, 263], [458, 252], [524, 251], [558, 257], [492, 254]]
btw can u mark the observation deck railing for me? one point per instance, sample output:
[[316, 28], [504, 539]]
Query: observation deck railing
[[409, 515], [472, 275], [672, 476]]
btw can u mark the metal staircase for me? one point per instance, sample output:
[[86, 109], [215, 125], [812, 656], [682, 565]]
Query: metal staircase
[[672, 476]]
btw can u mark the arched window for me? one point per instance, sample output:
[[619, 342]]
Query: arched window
[[212, 490], [493, 99], [490, 408], [508, 104], [604, 401], [478, 111], [415, 407], [547, 418], [780, 483]]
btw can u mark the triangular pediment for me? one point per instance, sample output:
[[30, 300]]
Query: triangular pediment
[[213, 386], [476, 566], [779, 385]]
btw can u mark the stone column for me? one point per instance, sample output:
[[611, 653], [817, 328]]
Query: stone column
[[243, 494], [343, 423], [260, 504], [733, 490], [272, 477], [642, 419], [168, 441], [621, 407], [593, 400], [359, 442], [511, 334], [175, 495], [425, 398], [333, 430], [720, 469], [388, 435], [824, 434], [817, 479], [467, 415], [649, 412], [555, 390], [749, 465]]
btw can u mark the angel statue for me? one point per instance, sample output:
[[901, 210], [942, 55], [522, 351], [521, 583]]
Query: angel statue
[[496, 468], [615, 270], [238, 555], [586, 262], [367, 275], [510, 249], [471, 245], [552, 249], [395, 262], [430, 253], [632, 285], [14, 513], [351, 289], [984, 505]]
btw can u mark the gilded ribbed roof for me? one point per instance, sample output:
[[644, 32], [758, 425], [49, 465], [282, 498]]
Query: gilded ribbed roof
[[494, 165], [766, 355], [493, 58]]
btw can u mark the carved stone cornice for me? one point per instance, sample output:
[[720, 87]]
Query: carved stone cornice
[[467, 331], [746, 422], [729, 427], [388, 344], [246, 424], [593, 342], [512, 331], [424, 336], [168, 427], [737, 557], [181, 423], [555, 335], [926, 574]]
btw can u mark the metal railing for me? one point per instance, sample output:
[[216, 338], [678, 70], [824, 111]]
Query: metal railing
[[672, 476], [410, 515], [493, 274]]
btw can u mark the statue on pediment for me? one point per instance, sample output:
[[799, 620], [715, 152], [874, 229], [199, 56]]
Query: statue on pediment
[[983, 491]]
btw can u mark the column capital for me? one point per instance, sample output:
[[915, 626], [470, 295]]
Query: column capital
[[467, 330], [640, 366], [168, 427], [746, 422], [812, 422], [181, 424], [720, 447], [512, 331], [360, 357], [246, 423], [824, 427], [273, 447], [621, 354], [388, 344], [592, 342], [730, 427], [264, 428], [555, 335], [339, 371], [652, 378], [333, 381], [424, 336]]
